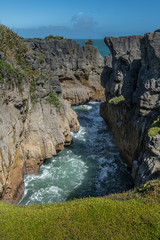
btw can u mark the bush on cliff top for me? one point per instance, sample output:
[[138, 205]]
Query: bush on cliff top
[[54, 37], [92, 218]]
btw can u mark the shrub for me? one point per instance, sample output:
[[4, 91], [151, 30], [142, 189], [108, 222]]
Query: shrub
[[73, 51], [154, 128], [116, 100], [34, 95], [54, 100], [8, 74], [38, 38], [54, 37]]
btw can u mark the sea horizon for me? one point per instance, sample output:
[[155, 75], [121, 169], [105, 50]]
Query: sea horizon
[[99, 43]]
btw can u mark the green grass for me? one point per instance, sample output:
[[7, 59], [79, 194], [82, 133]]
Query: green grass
[[12, 45], [132, 215], [116, 100], [154, 128]]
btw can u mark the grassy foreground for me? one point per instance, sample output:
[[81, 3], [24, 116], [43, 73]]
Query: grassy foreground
[[131, 215]]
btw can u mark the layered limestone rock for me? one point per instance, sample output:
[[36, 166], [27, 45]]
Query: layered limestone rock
[[29, 134], [77, 68], [133, 71], [37, 77], [35, 121]]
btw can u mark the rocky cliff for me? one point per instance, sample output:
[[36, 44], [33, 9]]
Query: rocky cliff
[[35, 119], [77, 68], [131, 78]]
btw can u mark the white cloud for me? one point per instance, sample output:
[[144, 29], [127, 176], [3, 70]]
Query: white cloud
[[84, 22], [80, 13], [80, 21], [81, 27]]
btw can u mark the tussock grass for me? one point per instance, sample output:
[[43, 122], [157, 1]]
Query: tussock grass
[[12, 45], [133, 215]]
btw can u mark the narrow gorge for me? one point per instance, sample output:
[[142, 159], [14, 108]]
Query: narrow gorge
[[90, 167], [42, 78]]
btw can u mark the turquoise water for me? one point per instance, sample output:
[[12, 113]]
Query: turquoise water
[[91, 166], [99, 43]]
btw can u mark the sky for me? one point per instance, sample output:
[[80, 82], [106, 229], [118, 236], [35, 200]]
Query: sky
[[83, 19]]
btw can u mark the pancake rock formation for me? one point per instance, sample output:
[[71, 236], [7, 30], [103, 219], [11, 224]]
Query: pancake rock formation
[[131, 78], [77, 68], [36, 78]]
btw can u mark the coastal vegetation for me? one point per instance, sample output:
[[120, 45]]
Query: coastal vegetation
[[154, 128], [54, 100], [116, 100], [131, 215], [36, 38], [73, 51], [8, 73], [54, 37], [15, 67], [13, 46]]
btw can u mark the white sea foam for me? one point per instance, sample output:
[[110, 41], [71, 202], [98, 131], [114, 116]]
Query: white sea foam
[[88, 167], [41, 194], [81, 134]]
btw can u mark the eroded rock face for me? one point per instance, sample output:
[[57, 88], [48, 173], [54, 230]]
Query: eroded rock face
[[132, 70], [37, 77], [29, 134], [77, 68], [126, 59], [147, 93]]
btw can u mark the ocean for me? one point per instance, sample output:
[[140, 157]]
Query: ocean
[[92, 166], [99, 43]]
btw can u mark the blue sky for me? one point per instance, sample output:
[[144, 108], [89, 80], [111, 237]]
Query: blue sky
[[80, 19]]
